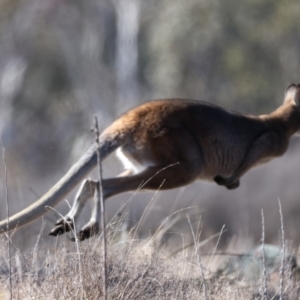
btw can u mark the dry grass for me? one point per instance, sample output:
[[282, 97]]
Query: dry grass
[[136, 269]]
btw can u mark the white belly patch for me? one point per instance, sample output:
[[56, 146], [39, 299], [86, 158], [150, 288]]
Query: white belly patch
[[128, 162]]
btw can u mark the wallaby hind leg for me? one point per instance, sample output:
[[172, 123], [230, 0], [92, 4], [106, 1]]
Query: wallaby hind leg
[[87, 190], [153, 178], [66, 223], [92, 227]]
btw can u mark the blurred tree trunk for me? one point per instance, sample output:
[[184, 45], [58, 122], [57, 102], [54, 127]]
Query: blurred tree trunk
[[127, 12]]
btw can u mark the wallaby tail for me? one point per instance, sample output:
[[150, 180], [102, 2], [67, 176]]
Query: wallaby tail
[[65, 185]]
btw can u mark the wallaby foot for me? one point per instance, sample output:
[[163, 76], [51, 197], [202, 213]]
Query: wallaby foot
[[89, 230], [233, 186], [66, 224], [227, 182], [63, 225]]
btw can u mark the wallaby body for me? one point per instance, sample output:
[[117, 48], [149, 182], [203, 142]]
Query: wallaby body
[[170, 143]]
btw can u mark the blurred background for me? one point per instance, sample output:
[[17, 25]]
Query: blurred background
[[62, 62]]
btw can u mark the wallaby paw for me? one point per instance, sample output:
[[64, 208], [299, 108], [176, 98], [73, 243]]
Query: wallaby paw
[[233, 186], [227, 182], [221, 180], [89, 230], [63, 225]]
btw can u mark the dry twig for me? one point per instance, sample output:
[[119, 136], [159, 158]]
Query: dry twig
[[7, 225], [102, 209], [198, 258], [265, 287], [281, 272]]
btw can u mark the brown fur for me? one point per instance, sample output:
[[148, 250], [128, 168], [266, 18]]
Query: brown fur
[[171, 143]]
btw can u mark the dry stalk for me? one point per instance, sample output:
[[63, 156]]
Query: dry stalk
[[265, 287], [198, 258], [7, 226], [145, 210], [215, 249], [281, 272], [102, 208], [75, 239], [79, 257]]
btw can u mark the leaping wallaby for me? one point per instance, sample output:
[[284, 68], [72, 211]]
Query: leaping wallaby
[[168, 144]]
